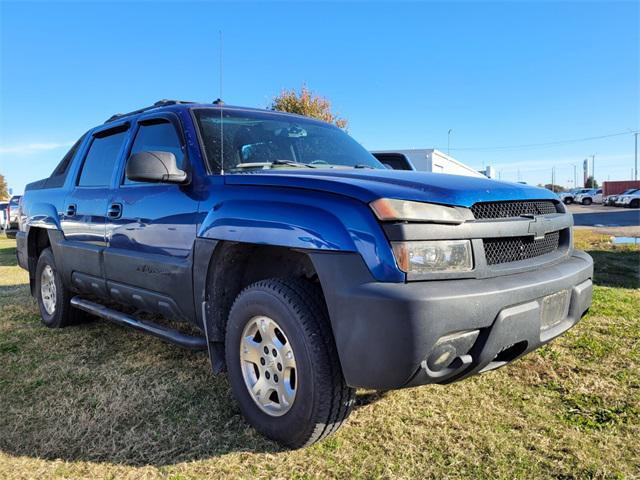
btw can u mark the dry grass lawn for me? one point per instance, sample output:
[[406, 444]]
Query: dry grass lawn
[[100, 401]]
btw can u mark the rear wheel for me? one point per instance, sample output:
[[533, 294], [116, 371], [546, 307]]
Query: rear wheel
[[587, 201], [283, 364], [53, 297], [635, 203], [568, 201]]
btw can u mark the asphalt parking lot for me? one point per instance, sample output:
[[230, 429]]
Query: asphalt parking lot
[[600, 216]]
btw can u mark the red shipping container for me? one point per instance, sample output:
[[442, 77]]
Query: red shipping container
[[613, 188]]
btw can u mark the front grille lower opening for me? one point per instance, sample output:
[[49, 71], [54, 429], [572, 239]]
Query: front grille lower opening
[[512, 352]]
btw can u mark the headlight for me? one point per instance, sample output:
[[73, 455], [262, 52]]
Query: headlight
[[433, 256], [391, 209]]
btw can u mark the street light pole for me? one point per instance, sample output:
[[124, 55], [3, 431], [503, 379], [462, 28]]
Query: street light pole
[[449, 139], [636, 161], [593, 171]]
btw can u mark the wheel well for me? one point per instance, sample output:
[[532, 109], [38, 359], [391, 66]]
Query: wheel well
[[37, 241], [234, 266]]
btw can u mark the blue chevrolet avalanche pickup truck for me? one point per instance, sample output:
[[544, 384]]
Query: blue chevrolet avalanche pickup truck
[[309, 268]]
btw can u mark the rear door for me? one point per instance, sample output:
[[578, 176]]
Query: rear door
[[151, 228], [83, 219]]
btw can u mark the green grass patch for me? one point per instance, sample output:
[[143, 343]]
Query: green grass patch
[[101, 401]]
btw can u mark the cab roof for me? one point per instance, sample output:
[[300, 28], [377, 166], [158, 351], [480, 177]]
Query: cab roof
[[162, 104]]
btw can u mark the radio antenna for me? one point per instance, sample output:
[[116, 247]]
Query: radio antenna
[[220, 103]]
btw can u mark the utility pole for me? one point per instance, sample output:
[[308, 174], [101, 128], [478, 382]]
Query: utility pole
[[449, 139], [575, 176], [635, 176], [593, 171], [553, 179]]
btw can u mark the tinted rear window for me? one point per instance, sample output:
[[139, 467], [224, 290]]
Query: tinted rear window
[[101, 160], [59, 174]]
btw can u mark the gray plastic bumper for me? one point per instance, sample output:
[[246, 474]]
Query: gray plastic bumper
[[390, 334]]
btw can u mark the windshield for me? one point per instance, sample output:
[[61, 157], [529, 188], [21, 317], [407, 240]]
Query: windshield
[[272, 140]]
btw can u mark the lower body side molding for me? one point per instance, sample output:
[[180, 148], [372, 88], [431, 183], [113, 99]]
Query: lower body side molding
[[168, 334]]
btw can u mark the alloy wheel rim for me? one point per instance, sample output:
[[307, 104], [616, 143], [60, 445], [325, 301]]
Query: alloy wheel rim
[[268, 366], [48, 289]]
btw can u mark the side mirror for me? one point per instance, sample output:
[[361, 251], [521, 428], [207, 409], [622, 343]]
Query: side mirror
[[154, 167]]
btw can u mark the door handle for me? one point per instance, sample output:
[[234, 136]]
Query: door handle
[[115, 210], [71, 210]]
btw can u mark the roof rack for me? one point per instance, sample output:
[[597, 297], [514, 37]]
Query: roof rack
[[159, 103]]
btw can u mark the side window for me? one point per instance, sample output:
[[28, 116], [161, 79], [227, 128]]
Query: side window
[[158, 137], [101, 160], [63, 166], [57, 178]]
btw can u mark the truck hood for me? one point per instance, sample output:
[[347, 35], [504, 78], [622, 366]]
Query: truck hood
[[369, 185]]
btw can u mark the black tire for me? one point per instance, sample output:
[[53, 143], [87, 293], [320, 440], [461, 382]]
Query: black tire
[[10, 235], [323, 400], [587, 201], [635, 203], [568, 201], [64, 314]]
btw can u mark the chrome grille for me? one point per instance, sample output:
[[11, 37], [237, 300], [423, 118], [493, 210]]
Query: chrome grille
[[512, 249], [513, 209]]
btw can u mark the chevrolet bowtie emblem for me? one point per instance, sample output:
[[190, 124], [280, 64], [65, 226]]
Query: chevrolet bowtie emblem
[[538, 227]]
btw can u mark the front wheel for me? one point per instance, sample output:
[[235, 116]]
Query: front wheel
[[587, 201], [282, 362], [635, 203], [53, 297], [568, 201]]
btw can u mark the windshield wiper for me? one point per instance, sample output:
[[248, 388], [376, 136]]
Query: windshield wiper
[[290, 163], [363, 165]]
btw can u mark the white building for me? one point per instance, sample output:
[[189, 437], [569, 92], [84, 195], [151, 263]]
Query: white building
[[424, 160]]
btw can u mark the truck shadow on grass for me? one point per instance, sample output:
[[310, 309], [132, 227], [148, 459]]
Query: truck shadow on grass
[[101, 393], [616, 268]]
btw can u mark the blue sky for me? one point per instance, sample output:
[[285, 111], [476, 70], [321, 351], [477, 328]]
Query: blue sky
[[498, 74]]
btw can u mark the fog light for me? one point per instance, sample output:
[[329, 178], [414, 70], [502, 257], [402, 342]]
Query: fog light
[[441, 357], [450, 347]]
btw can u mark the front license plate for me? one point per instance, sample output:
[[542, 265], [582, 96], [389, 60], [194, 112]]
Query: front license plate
[[555, 308]]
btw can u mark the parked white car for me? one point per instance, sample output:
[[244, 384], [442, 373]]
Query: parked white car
[[593, 195], [570, 195], [630, 200], [612, 199]]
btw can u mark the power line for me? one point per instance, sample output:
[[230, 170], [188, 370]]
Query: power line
[[542, 145]]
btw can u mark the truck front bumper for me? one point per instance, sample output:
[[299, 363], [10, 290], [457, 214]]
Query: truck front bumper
[[394, 335]]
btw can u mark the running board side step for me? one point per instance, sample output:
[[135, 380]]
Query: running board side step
[[168, 334]]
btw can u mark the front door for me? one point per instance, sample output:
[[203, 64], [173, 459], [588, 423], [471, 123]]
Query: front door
[[151, 229]]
